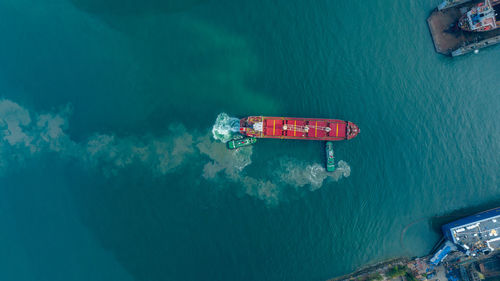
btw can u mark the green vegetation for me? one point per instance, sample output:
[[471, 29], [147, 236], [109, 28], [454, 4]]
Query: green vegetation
[[400, 271], [410, 277], [396, 272]]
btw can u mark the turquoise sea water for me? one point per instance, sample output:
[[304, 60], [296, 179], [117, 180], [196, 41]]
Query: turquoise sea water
[[109, 170]]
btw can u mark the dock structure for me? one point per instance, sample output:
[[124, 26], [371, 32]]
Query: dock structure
[[451, 3], [449, 39], [477, 234]]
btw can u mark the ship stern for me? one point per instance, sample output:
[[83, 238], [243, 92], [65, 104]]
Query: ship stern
[[244, 126], [249, 126]]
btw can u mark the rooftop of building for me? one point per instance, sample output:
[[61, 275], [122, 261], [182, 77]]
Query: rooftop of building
[[477, 233]]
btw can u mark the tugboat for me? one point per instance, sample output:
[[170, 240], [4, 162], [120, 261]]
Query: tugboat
[[298, 128], [482, 17], [330, 157], [237, 143]]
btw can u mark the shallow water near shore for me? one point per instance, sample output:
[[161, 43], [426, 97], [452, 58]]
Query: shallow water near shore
[[109, 168]]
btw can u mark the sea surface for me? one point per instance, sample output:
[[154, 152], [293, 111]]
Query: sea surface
[[113, 115]]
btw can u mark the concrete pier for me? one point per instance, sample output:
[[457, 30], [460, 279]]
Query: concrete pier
[[451, 40]]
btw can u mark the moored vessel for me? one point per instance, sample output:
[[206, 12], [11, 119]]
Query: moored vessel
[[484, 16], [298, 128]]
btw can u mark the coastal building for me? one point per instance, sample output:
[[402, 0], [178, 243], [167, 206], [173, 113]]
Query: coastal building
[[474, 235], [471, 244], [490, 267], [477, 234]]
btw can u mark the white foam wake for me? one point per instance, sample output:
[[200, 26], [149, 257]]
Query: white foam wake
[[343, 171], [300, 174], [225, 127]]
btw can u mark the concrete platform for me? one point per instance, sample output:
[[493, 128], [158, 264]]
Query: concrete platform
[[446, 40], [452, 41]]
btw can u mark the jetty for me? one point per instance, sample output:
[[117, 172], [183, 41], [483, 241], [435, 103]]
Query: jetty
[[448, 38]]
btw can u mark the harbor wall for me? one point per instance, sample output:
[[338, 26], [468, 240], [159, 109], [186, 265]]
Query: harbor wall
[[448, 38]]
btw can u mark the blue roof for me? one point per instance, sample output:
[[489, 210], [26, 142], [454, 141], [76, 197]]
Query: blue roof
[[468, 220], [442, 253]]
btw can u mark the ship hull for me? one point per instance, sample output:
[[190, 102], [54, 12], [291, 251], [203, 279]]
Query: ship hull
[[298, 128]]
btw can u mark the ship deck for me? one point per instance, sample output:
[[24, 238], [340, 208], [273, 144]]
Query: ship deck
[[293, 128], [298, 128]]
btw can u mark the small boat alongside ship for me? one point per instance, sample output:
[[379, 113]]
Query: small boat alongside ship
[[482, 17], [330, 157], [241, 142], [298, 128]]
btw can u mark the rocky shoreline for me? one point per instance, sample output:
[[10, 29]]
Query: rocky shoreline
[[364, 273]]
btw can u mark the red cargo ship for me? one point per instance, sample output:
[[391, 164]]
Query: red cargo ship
[[298, 128]]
